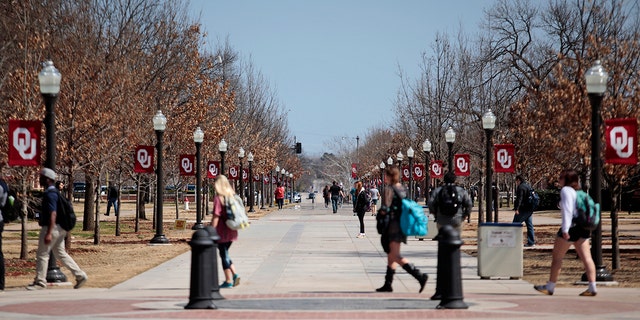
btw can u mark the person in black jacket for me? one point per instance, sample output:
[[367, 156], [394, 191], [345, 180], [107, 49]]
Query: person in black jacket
[[523, 209], [112, 199], [360, 206]]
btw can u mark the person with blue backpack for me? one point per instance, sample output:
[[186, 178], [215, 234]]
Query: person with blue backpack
[[391, 235], [570, 232]]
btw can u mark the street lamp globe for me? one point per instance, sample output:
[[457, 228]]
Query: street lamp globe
[[399, 156], [596, 79], [241, 153], [450, 135], [277, 169], [250, 157], [290, 175], [198, 135], [488, 120], [283, 171], [390, 161], [410, 152], [49, 79], [159, 121], [426, 146], [222, 146], [382, 166]]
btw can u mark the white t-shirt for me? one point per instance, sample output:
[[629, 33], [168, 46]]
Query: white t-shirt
[[567, 207], [374, 193]]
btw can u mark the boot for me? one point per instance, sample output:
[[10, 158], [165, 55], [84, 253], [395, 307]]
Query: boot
[[388, 279], [415, 272]]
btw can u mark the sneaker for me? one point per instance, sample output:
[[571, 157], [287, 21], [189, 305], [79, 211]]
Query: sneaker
[[236, 280], [543, 289], [529, 245], [588, 293], [80, 281], [36, 286], [226, 285], [362, 235]]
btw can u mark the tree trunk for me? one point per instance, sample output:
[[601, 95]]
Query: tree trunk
[[88, 223], [96, 230]]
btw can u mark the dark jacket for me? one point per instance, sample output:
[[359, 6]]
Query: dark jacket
[[463, 211], [522, 193]]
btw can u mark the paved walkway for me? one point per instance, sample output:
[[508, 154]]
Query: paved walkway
[[306, 263]]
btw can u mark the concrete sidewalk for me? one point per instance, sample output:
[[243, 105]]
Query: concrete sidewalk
[[306, 263]]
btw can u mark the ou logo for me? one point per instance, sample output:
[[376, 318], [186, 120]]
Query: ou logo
[[436, 169], [213, 169], [233, 172], [503, 158], [462, 164], [24, 143], [418, 172], [187, 165], [620, 140], [144, 158]]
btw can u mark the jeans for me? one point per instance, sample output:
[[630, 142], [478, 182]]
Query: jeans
[[114, 202], [527, 218], [223, 248], [334, 204], [57, 247]]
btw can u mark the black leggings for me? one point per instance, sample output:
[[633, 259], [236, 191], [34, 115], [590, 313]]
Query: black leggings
[[361, 218]]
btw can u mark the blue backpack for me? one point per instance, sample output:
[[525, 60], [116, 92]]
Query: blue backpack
[[588, 211], [413, 221]]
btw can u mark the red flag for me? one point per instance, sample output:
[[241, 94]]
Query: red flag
[[354, 170], [504, 158], [234, 173], [436, 169], [143, 159], [622, 145], [187, 165], [462, 164], [245, 174], [24, 143], [405, 173], [418, 172], [213, 169]]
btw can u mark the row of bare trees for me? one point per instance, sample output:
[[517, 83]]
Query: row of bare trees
[[120, 62]]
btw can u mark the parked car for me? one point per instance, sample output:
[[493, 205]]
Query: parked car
[[79, 189], [312, 195], [296, 197]]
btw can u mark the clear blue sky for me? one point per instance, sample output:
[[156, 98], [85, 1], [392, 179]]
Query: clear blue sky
[[334, 63]]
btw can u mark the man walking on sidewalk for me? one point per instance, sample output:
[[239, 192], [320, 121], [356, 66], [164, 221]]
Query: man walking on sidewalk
[[52, 236]]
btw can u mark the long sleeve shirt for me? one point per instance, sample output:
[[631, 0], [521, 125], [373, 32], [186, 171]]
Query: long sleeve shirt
[[567, 207]]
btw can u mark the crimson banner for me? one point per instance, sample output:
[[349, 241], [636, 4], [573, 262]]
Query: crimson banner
[[405, 172], [354, 170], [418, 172], [436, 170], [187, 165], [245, 174], [24, 143], [462, 165], [234, 173], [621, 139], [143, 159], [213, 169], [504, 156], [256, 177]]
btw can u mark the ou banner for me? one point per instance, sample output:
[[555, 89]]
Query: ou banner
[[504, 158], [187, 165], [405, 173], [418, 172], [213, 169], [143, 159], [245, 174], [622, 146], [24, 143], [436, 170], [462, 163], [354, 170], [234, 173]]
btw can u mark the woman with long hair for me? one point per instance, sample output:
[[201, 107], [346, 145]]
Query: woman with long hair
[[360, 206], [569, 234], [392, 235], [227, 235]]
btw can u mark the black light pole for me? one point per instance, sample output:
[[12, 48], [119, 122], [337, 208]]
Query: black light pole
[[271, 176], [262, 191], [488, 123], [399, 158], [159, 124], [596, 79], [410, 154], [49, 78], [222, 147], [250, 159], [382, 166], [198, 138], [450, 137], [426, 148], [292, 186], [240, 157]]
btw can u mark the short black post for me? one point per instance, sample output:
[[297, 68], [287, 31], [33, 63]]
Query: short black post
[[201, 273], [449, 269], [215, 286]]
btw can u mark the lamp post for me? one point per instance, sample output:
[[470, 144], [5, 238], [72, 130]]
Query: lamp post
[[410, 154], [488, 123], [198, 138], [426, 148], [382, 186], [49, 79], [284, 184], [250, 160], [222, 147], [596, 80], [450, 137], [292, 187], [271, 176], [159, 125], [240, 157]]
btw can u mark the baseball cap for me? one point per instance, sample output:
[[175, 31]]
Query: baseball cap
[[48, 173]]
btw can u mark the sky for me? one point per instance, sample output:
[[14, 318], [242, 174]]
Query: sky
[[334, 64]]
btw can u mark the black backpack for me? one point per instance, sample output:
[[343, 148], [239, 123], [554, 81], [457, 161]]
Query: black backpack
[[9, 211], [449, 200], [65, 216]]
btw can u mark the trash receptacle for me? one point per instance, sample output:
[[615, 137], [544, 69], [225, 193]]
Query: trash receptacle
[[500, 250]]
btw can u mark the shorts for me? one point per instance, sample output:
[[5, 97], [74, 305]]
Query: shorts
[[374, 201], [576, 233]]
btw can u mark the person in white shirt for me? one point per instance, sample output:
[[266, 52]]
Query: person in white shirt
[[570, 233]]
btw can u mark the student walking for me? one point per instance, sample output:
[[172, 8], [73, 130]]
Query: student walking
[[392, 235], [524, 209], [375, 195], [360, 206], [569, 234], [279, 194], [227, 235]]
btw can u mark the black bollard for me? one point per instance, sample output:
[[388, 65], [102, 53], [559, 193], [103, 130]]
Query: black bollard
[[201, 273], [449, 269], [215, 286]]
